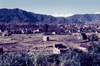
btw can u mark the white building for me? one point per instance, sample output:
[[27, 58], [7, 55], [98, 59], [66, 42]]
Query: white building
[[53, 33], [48, 49], [45, 38], [56, 50]]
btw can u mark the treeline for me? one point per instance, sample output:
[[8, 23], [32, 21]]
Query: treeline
[[74, 57], [29, 28]]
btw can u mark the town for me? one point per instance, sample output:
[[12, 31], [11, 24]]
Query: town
[[47, 39], [49, 44]]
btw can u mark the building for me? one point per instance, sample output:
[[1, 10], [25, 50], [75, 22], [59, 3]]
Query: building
[[77, 35], [48, 49], [53, 33], [80, 36], [45, 38], [5, 33], [36, 31]]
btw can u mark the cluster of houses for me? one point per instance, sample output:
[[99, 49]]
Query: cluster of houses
[[45, 47], [49, 49], [51, 29]]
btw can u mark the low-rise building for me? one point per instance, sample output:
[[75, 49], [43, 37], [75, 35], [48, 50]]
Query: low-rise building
[[48, 49]]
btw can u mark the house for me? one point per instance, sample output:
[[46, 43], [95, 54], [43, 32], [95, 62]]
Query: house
[[45, 38], [77, 35], [53, 33], [5, 33], [36, 31], [80, 36], [48, 49]]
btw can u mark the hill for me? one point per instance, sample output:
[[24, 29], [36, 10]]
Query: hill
[[18, 15]]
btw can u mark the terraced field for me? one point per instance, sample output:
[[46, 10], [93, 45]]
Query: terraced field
[[25, 42]]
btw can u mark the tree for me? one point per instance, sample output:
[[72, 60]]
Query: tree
[[93, 37]]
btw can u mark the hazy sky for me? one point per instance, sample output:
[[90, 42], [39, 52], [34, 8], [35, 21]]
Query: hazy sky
[[54, 7]]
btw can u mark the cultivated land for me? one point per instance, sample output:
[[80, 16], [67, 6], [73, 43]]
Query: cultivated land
[[26, 42]]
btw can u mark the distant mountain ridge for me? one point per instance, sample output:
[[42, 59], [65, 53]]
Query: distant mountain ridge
[[18, 15], [85, 18]]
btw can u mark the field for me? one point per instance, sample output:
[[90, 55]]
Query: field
[[25, 42], [19, 51]]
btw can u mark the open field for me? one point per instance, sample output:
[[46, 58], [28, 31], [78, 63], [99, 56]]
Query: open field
[[26, 42]]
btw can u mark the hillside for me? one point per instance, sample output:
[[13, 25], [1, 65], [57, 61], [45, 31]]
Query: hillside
[[18, 15], [85, 18]]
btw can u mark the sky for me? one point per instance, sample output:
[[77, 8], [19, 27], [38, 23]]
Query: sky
[[54, 7]]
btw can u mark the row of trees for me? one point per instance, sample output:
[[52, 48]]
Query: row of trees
[[28, 28]]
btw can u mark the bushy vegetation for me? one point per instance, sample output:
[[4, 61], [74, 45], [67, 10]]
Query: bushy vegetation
[[74, 57], [29, 28]]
